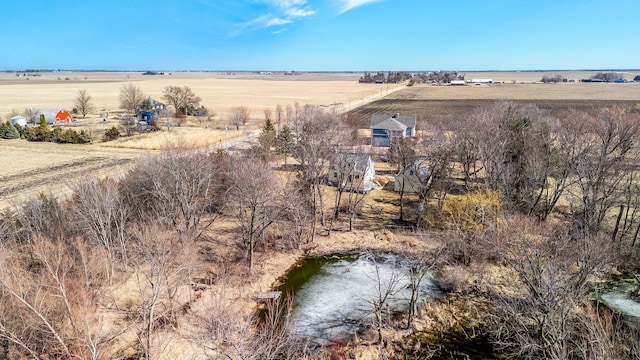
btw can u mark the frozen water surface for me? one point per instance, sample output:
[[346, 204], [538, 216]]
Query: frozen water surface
[[621, 302], [338, 300]]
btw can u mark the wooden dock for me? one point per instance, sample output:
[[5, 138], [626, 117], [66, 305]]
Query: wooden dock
[[267, 297]]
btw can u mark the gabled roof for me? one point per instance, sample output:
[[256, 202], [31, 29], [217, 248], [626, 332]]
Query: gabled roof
[[418, 167], [356, 161], [392, 122]]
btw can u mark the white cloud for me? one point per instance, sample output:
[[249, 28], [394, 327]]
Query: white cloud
[[296, 12], [346, 5], [291, 9], [276, 13], [277, 21]]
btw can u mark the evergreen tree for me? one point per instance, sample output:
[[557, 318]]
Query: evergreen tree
[[10, 131], [268, 136], [284, 143]]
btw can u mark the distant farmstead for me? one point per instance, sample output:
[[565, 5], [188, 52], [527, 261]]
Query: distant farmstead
[[52, 117], [151, 104], [481, 81], [384, 128]]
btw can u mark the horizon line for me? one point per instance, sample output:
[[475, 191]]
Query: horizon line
[[309, 71]]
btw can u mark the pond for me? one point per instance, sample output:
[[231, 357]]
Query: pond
[[618, 298], [335, 295]]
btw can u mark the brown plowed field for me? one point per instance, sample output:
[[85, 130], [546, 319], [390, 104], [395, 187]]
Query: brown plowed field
[[29, 167], [430, 104]]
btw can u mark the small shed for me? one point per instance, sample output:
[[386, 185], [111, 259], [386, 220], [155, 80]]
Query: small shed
[[19, 120], [413, 178]]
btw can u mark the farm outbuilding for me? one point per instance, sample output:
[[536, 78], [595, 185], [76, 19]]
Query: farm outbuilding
[[19, 120], [481, 81], [52, 117], [147, 116], [413, 178], [63, 117]]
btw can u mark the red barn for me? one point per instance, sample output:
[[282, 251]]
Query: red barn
[[63, 117]]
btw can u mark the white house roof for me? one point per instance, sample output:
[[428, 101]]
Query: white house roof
[[392, 122], [356, 161]]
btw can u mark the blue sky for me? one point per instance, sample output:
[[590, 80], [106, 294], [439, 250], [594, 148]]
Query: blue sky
[[319, 35]]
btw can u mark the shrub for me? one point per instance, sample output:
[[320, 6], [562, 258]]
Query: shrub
[[111, 134], [57, 135], [70, 136], [10, 131], [39, 133], [469, 212]]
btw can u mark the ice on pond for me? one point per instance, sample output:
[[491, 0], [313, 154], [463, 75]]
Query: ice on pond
[[620, 301], [339, 300]]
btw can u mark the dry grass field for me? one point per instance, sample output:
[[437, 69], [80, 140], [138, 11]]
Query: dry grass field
[[28, 168]]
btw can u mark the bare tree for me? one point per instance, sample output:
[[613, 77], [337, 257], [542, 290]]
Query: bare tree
[[349, 175], [432, 171], [42, 216], [55, 302], [239, 116], [402, 153], [297, 219], [255, 195], [608, 143], [131, 97], [419, 267], [228, 333], [268, 114], [177, 187], [279, 113], [84, 103], [628, 224], [385, 286], [536, 316], [162, 266], [103, 217], [183, 100], [318, 135]]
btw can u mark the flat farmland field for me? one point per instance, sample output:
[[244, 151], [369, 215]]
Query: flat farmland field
[[218, 92], [442, 104], [28, 168]]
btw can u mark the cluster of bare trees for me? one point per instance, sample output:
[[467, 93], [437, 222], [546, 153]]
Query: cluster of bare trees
[[61, 261], [534, 160], [581, 165]]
